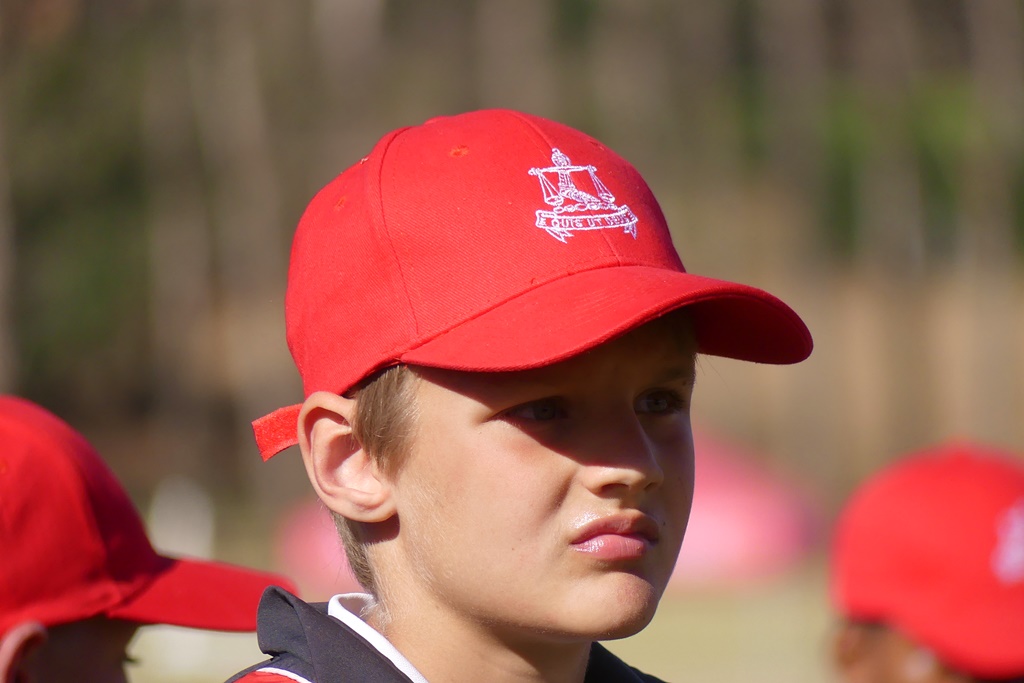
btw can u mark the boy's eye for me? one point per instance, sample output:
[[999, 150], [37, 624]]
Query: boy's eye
[[539, 411], [660, 402]]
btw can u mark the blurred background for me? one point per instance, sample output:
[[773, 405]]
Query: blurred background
[[861, 159]]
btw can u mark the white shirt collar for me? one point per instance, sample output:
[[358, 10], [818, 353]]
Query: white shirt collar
[[348, 608]]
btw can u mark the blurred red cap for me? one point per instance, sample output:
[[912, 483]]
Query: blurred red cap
[[494, 241], [934, 547], [74, 547]]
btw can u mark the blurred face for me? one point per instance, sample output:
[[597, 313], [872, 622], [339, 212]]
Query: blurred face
[[873, 653], [548, 504], [89, 651]]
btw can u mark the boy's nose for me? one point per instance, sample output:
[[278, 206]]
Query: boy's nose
[[623, 459]]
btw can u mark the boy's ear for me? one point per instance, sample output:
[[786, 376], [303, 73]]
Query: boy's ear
[[16, 646], [344, 476]]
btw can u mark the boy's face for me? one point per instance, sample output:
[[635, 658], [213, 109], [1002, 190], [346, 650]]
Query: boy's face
[[874, 653], [88, 651], [553, 500]]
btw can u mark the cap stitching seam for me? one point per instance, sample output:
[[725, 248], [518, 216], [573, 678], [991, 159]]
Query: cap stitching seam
[[547, 141], [409, 308]]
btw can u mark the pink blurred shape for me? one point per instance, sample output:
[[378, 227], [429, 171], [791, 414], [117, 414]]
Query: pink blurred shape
[[308, 550], [747, 523]]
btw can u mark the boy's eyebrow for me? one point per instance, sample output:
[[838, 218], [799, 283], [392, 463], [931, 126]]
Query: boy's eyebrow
[[687, 373]]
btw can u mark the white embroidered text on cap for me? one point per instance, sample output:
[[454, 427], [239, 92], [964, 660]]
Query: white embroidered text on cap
[[575, 209], [1008, 558]]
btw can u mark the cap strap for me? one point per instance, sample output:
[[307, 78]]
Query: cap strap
[[277, 431]]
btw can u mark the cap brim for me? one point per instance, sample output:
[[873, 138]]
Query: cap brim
[[200, 594], [985, 640], [574, 313], [538, 328]]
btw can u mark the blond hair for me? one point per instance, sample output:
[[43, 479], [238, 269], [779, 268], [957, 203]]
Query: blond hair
[[383, 424]]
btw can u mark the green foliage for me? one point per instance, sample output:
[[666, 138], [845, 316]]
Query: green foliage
[[940, 116], [1018, 207], [750, 99], [77, 194], [844, 143], [573, 19]]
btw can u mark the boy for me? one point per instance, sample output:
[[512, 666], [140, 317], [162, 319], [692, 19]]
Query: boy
[[928, 570], [77, 572], [496, 339]]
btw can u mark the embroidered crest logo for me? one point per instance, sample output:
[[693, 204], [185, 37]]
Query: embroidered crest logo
[[1008, 558], [575, 209]]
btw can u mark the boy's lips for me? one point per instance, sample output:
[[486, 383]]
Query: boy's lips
[[622, 536]]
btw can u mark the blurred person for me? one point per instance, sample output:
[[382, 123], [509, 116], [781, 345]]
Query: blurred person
[[497, 343], [78, 574], [928, 570]]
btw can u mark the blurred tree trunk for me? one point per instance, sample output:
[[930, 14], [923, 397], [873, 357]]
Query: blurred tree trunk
[[629, 76], [431, 60], [886, 71], [515, 55], [8, 361], [891, 256], [791, 45], [8, 355], [996, 38], [991, 324], [792, 41], [184, 362], [251, 246], [347, 33], [704, 167], [699, 59], [348, 37]]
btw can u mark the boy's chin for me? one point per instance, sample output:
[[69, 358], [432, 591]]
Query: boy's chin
[[607, 626], [617, 614], [625, 628]]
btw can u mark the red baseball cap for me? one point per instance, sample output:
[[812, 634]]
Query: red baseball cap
[[74, 547], [494, 241], [933, 546]]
